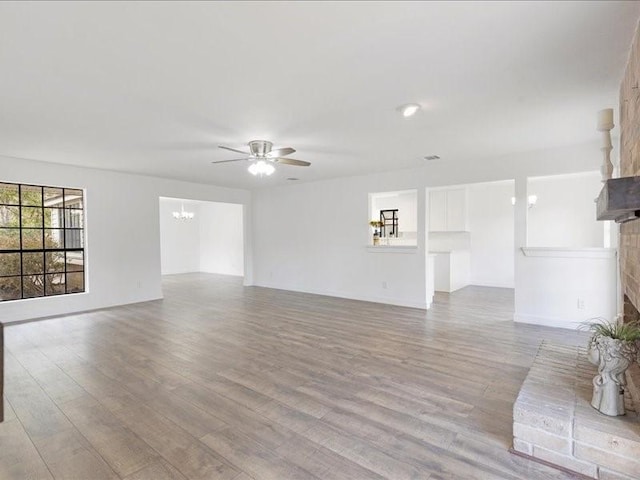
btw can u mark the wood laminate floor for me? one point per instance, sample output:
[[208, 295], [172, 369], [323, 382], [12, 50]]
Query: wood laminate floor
[[220, 381]]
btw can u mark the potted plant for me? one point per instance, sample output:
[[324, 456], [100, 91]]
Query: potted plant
[[376, 224], [613, 347]]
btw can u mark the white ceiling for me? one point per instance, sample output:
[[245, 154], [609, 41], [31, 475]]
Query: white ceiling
[[153, 87]]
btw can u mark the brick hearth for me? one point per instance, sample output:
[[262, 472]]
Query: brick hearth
[[554, 422]]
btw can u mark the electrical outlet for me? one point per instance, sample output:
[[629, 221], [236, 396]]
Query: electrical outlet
[[384, 285], [580, 303]]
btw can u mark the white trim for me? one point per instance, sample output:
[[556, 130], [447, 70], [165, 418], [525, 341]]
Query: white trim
[[567, 252], [37, 318], [547, 321], [363, 298], [491, 285], [392, 249]]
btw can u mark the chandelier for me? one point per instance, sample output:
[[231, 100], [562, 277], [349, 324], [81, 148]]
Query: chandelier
[[183, 214]]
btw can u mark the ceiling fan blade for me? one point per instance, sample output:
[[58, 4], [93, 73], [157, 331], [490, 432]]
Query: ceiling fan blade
[[234, 150], [233, 160], [281, 152], [291, 161]]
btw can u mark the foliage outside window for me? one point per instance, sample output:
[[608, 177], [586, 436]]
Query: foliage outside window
[[41, 241]]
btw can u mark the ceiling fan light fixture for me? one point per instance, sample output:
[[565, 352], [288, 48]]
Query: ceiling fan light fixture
[[261, 168], [409, 110], [263, 157]]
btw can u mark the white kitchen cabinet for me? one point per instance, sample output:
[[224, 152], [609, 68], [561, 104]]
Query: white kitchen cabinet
[[448, 210]]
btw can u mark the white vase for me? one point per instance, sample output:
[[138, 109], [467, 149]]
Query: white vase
[[613, 357]]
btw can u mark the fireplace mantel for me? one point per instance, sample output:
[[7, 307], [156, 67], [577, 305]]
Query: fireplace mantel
[[619, 200]]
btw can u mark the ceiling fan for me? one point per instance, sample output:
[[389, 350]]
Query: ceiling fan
[[263, 157]]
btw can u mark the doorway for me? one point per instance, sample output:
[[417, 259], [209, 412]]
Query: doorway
[[471, 235], [200, 236]]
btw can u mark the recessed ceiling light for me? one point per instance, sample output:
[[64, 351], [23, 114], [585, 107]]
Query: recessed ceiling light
[[409, 109], [432, 157]]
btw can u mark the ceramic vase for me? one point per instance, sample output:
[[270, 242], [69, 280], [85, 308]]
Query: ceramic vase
[[613, 357]]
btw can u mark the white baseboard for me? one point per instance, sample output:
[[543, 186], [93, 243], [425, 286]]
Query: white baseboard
[[364, 298], [178, 272], [492, 285], [546, 321], [70, 312]]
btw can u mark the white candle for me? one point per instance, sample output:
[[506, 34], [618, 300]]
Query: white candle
[[605, 119]]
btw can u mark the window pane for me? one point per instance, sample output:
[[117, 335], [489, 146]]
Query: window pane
[[32, 263], [53, 217], [9, 216], [74, 218], [54, 284], [31, 195], [54, 262], [53, 197], [75, 261], [33, 286], [31, 217], [9, 194], [74, 239], [32, 239], [9, 239], [10, 288], [9, 264], [53, 238], [73, 198], [75, 282]]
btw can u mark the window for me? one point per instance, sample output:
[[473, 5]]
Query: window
[[394, 218], [41, 241]]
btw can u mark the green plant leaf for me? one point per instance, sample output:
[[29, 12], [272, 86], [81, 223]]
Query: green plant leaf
[[628, 332]]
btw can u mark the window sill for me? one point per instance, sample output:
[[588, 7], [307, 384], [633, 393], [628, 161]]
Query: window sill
[[392, 249]]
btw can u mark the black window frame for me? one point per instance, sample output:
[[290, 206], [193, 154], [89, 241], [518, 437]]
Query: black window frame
[[64, 212]]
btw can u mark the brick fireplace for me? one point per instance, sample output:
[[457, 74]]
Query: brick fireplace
[[630, 232], [630, 166], [554, 422], [631, 313]]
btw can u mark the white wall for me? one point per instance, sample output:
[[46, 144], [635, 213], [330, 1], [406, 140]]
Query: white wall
[[179, 239], [306, 237], [221, 244], [564, 276], [565, 214], [122, 233], [447, 241], [491, 225], [560, 290], [312, 237], [560, 286]]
